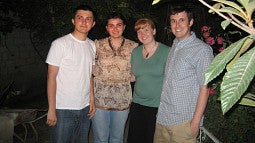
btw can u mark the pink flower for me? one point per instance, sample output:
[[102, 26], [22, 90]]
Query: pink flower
[[205, 28], [221, 49], [206, 34], [210, 40], [211, 91], [220, 40]]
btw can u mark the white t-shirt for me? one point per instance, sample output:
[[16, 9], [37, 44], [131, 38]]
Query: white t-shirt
[[74, 59]]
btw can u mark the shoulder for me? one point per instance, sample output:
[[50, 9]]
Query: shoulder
[[130, 43], [90, 41], [63, 39], [137, 48], [163, 46], [61, 42], [136, 52], [91, 44], [199, 49], [163, 49], [198, 43], [202, 45], [102, 42]]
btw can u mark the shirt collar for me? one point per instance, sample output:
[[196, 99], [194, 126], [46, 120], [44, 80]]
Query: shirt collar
[[187, 40]]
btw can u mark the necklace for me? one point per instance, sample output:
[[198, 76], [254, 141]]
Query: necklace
[[148, 52], [113, 49]]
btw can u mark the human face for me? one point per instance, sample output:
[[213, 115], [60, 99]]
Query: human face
[[115, 27], [180, 25], [83, 21], [146, 35]]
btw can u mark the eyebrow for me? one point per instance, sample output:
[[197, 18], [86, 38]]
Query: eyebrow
[[115, 24]]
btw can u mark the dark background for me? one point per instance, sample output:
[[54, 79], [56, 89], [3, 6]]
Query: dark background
[[27, 28]]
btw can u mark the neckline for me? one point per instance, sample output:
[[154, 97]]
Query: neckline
[[148, 56], [113, 49]]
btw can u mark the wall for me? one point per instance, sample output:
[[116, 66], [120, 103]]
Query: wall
[[20, 64]]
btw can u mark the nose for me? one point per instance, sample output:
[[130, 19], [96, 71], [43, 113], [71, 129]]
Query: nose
[[115, 27], [177, 24]]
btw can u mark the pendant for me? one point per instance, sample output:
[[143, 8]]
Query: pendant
[[147, 55]]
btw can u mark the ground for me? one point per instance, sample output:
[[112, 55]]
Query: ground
[[40, 103]]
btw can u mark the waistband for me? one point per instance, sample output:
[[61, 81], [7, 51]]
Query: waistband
[[115, 109]]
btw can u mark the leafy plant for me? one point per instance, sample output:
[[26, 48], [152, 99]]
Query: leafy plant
[[238, 60]]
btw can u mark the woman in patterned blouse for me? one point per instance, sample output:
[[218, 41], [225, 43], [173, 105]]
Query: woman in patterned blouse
[[112, 76]]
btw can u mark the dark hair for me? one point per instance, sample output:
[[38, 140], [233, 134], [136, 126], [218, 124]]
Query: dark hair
[[181, 8], [85, 8], [115, 15]]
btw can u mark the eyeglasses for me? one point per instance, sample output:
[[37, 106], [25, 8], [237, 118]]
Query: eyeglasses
[[118, 26]]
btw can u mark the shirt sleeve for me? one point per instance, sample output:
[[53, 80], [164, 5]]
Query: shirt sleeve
[[55, 53], [206, 57]]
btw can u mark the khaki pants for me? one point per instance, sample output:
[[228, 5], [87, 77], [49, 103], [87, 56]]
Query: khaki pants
[[174, 134]]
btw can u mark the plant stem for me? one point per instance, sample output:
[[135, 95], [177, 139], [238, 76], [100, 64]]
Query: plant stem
[[248, 30]]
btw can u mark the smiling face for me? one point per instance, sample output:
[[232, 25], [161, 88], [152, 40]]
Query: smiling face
[[115, 27], [180, 25], [146, 34], [83, 22], [146, 30]]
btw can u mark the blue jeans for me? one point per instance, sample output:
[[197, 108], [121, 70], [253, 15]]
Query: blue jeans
[[109, 126], [72, 126]]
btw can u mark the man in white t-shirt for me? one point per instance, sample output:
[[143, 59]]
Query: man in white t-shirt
[[69, 89]]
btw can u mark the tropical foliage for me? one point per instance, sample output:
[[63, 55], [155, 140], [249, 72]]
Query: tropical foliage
[[238, 60], [236, 119]]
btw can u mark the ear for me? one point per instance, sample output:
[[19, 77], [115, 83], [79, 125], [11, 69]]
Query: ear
[[73, 21], [154, 31], [93, 24], [191, 22]]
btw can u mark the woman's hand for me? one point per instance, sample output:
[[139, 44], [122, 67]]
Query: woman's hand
[[92, 109]]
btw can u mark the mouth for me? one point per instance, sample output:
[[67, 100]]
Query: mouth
[[177, 30], [144, 38]]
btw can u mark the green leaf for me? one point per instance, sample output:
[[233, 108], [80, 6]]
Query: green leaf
[[155, 2], [216, 6], [220, 61], [252, 36], [232, 4], [237, 80], [249, 6], [232, 10], [244, 48], [225, 23], [248, 100], [244, 3]]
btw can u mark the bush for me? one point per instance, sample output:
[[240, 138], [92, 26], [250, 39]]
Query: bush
[[236, 126]]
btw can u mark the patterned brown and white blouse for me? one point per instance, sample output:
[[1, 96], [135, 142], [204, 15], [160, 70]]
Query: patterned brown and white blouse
[[112, 73]]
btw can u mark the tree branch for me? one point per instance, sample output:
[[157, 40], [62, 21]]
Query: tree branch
[[246, 29]]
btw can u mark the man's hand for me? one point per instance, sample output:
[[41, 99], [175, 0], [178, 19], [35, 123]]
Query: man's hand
[[194, 127], [51, 118]]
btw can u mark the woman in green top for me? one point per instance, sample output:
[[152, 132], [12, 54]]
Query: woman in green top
[[148, 66]]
